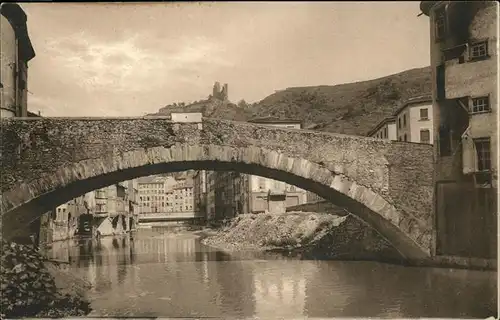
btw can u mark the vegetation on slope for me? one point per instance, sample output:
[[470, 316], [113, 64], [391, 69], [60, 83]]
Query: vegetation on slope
[[30, 289], [353, 108]]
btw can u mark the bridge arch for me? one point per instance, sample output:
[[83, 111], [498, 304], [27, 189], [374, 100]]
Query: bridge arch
[[28, 200]]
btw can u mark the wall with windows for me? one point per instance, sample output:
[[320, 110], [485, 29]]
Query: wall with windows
[[403, 125], [165, 195], [466, 86], [463, 50], [420, 123], [414, 121], [153, 197], [387, 129]]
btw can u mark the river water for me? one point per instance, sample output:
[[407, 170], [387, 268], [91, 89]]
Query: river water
[[155, 272]]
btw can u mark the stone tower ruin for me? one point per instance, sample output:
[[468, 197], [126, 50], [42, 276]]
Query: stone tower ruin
[[218, 93]]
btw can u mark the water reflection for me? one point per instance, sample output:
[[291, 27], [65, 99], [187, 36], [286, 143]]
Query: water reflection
[[157, 273]]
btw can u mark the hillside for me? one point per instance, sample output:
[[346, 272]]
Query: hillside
[[352, 108]]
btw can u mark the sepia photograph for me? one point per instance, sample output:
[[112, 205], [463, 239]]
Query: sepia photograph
[[249, 160]]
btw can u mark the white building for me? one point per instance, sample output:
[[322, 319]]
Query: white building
[[414, 120], [386, 129]]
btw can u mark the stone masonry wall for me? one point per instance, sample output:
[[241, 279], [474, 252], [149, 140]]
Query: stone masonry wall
[[390, 178]]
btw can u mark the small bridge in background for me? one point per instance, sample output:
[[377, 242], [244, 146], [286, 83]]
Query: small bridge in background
[[169, 217]]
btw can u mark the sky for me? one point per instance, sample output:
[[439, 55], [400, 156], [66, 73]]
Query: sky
[[131, 59]]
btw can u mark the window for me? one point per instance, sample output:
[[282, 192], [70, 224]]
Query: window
[[425, 136], [424, 114], [483, 153], [440, 82], [480, 104], [399, 123], [440, 23], [479, 50], [404, 120], [386, 135]]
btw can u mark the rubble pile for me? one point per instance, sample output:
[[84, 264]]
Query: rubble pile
[[310, 235]]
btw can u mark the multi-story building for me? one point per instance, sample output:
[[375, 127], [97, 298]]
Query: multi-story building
[[200, 193], [270, 195], [463, 50], [224, 195], [112, 210], [233, 193], [183, 198], [386, 129], [165, 195], [210, 183], [133, 201], [15, 53], [153, 194], [414, 120]]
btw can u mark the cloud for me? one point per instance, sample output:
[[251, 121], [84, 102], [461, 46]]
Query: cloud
[[126, 66]]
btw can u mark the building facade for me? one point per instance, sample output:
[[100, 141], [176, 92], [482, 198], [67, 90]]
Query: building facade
[[413, 120], [166, 195], [112, 211], [266, 194], [463, 50], [231, 193], [15, 53], [183, 197], [153, 196], [200, 193], [210, 185], [386, 129], [133, 201]]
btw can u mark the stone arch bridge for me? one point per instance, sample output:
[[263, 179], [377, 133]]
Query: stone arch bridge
[[48, 161]]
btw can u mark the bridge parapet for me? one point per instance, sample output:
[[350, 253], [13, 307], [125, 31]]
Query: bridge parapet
[[46, 160]]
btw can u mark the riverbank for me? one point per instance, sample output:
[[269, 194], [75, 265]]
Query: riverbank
[[34, 287], [320, 236], [305, 235]]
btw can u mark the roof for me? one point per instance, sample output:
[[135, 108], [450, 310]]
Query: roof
[[380, 124], [188, 183], [274, 120], [414, 100], [425, 6], [17, 18], [150, 179]]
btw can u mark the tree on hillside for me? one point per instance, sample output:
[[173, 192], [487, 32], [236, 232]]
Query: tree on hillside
[[242, 104]]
